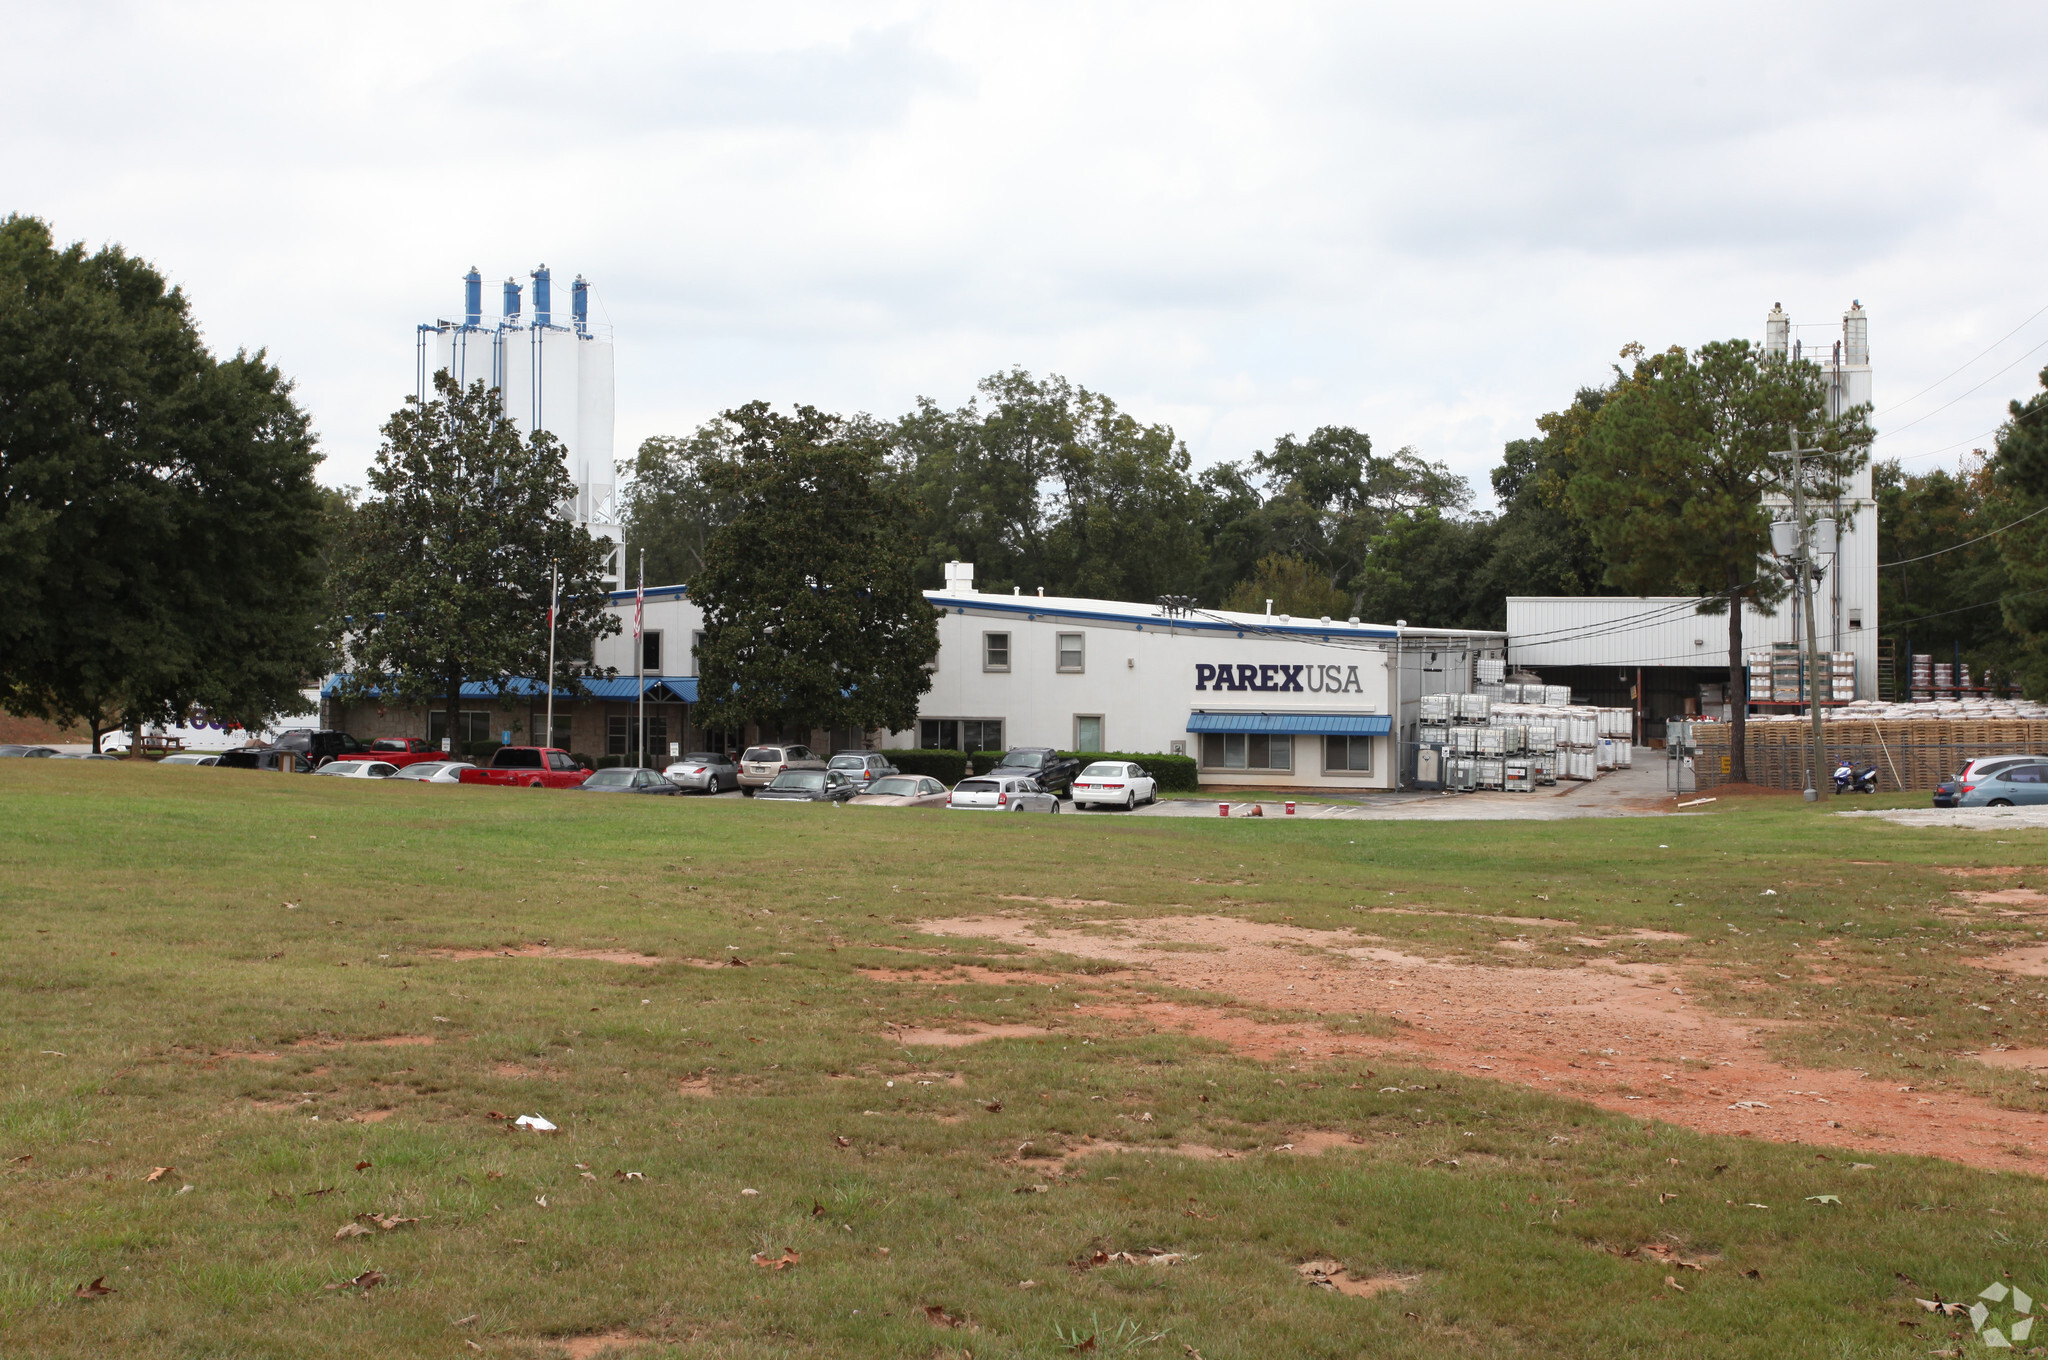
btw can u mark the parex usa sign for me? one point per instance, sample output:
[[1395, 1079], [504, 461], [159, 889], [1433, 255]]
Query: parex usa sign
[[1279, 679]]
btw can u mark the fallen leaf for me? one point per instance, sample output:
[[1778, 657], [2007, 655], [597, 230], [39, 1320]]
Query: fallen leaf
[[24, 1159], [627, 1176], [790, 1256], [736, 962], [494, 1175], [541, 1200], [471, 1344], [369, 1279], [1080, 1346], [994, 1107], [465, 1321], [157, 1174], [750, 1193], [315, 1194], [1671, 1282], [1031, 1190], [939, 1317], [390, 1221], [587, 1175], [1752, 1275], [1027, 1284], [362, 1166], [1825, 1199], [98, 1289], [348, 1230], [838, 1141], [1942, 1309]]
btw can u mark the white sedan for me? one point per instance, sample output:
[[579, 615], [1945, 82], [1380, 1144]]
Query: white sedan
[[1114, 783], [435, 771], [358, 769]]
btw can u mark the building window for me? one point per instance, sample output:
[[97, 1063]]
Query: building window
[[563, 727], [1241, 751], [618, 731], [960, 734], [475, 726], [1088, 733], [650, 652], [1070, 652], [1347, 755], [995, 651]]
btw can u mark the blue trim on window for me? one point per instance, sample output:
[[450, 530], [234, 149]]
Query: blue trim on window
[[1294, 724]]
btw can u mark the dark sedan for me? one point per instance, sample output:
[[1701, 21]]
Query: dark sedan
[[628, 781], [809, 786]]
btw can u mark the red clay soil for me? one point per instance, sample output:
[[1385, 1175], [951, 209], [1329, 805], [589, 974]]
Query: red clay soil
[[1623, 1036]]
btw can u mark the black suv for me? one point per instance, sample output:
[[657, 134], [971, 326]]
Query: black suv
[[321, 747], [1053, 771], [267, 758]]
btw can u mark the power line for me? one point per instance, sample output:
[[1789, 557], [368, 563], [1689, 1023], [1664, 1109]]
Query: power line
[[1960, 395], [1982, 604], [1965, 543], [1959, 368]]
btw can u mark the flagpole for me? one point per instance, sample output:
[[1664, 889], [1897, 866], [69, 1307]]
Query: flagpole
[[554, 597], [640, 652]]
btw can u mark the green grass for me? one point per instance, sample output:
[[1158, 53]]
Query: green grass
[[146, 935]]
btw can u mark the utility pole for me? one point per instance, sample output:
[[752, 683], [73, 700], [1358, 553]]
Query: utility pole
[[1820, 775], [640, 653], [554, 601]]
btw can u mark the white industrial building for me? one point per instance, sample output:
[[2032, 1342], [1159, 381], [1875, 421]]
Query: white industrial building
[[1256, 699], [1660, 656], [552, 377]]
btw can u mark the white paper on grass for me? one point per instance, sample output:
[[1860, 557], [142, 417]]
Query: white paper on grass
[[1993, 1291], [1978, 1312], [2022, 1329], [2020, 1302], [534, 1122]]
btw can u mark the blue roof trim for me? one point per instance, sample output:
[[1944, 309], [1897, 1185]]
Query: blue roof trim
[[1033, 606], [619, 688], [1294, 724], [653, 593]]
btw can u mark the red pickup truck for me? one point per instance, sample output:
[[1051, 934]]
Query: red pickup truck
[[530, 767], [402, 751]]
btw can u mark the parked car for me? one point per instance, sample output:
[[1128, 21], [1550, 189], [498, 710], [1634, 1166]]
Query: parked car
[[435, 771], [992, 793], [191, 758], [862, 767], [1946, 792], [809, 786], [2007, 786], [29, 752], [358, 769], [266, 758], [710, 771], [83, 755], [319, 746], [1053, 771], [404, 751], [623, 780], [530, 767], [903, 790], [760, 764], [1114, 783]]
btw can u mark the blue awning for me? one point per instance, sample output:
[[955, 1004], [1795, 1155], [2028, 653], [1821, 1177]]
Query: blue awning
[[1294, 724]]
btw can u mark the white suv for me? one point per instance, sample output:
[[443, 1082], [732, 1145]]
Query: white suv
[[992, 793]]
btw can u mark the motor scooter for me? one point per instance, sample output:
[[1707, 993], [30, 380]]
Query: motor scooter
[[1849, 779]]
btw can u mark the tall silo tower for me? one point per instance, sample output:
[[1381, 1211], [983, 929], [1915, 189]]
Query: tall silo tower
[[550, 376]]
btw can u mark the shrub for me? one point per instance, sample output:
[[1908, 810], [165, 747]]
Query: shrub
[[587, 762], [481, 751], [948, 767]]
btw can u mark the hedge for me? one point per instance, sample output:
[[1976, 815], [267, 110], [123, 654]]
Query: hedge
[[948, 767], [1175, 774]]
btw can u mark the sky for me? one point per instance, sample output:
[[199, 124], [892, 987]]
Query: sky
[[1432, 223]]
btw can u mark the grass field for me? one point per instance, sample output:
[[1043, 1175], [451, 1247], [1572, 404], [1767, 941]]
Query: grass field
[[314, 1002]]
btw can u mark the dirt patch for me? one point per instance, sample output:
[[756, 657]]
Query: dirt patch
[[2028, 961], [972, 973], [519, 1071], [1064, 903], [939, 1038], [1996, 871], [543, 951], [1337, 1277], [1625, 1036], [2022, 1059], [593, 1346], [2028, 898], [372, 1116], [695, 1086], [328, 1043]]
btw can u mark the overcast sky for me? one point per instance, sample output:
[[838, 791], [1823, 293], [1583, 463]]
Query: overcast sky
[[1433, 223]]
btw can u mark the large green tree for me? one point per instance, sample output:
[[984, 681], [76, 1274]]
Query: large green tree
[[160, 529], [443, 574], [1673, 471], [812, 613], [671, 510], [1939, 590], [2020, 469]]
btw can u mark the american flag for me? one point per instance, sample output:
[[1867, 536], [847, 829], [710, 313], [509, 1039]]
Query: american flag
[[639, 604]]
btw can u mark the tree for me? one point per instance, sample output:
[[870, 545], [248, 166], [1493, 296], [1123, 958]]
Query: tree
[[1430, 567], [1292, 586], [1933, 591], [812, 613], [670, 509], [1674, 468], [159, 523], [2021, 489], [444, 573]]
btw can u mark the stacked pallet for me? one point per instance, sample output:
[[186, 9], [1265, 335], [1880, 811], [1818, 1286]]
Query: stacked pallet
[[1908, 754]]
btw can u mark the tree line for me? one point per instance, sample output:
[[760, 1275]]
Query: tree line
[[166, 545]]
